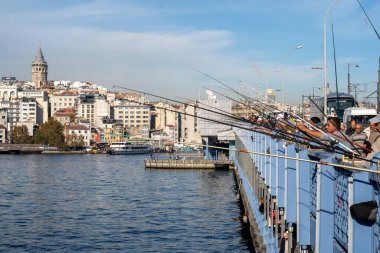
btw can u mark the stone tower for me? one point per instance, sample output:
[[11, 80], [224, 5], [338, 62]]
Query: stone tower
[[39, 70]]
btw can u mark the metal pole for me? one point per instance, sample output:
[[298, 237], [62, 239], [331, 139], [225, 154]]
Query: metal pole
[[378, 88], [348, 79], [325, 60]]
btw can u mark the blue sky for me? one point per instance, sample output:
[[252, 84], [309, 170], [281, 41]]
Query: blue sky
[[155, 45]]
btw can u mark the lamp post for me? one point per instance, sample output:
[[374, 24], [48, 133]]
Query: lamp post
[[283, 71], [348, 76], [325, 91]]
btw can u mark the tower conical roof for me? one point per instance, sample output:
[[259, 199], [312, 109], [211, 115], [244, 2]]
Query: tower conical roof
[[39, 55]]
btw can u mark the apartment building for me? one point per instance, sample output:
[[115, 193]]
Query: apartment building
[[133, 115], [65, 99]]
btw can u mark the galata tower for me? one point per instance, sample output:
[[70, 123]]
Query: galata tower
[[39, 70]]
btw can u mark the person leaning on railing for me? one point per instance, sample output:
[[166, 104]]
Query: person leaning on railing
[[376, 142], [332, 131], [359, 138]]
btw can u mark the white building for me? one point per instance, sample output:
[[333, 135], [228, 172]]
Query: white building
[[66, 99], [211, 128], [42, 103], [8, 93], [132, 114], [28, 108], [189, 125], [75, 133]]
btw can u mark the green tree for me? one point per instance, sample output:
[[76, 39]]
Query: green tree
[[50, 133], [20, 135]]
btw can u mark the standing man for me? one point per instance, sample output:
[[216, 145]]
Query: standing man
[[359, 138], [351, 130]]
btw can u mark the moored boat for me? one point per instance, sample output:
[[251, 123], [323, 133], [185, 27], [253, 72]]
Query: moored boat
[[129, 148]]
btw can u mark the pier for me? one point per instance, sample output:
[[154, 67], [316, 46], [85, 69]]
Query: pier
[[288, 187], [188, 164], [23, 148]]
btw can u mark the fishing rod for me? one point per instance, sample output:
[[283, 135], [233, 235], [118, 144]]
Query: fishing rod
[[221, 122], [186, 104], [338, 128], [231, 88], [256, 129], [344, 146], [213, 78], [297, 159], [316, 140]]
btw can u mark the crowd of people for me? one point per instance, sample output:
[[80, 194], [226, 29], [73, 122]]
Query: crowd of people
[[366, 141]]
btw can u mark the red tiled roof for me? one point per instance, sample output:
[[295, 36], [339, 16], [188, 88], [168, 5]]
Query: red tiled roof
[[76, 127]]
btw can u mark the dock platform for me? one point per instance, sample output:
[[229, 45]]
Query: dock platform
[[188, 164]]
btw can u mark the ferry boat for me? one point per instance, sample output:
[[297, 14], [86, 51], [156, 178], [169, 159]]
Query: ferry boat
[[128, 148]]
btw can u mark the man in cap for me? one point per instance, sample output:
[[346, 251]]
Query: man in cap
[[376, 143]]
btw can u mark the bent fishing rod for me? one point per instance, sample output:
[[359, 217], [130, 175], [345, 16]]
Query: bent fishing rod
[[224, 123], [213, 78], [187, 104], [213, 111], [265, 113], [295, 158], [337, 127]]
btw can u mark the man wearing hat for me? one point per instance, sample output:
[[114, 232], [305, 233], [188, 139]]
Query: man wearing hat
[[376, 143]]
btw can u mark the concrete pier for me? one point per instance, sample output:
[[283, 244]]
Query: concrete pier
[[188, 164]]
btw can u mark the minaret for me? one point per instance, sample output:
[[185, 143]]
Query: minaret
[[39, 70]]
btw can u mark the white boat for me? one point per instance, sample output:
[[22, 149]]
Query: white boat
[[129, 148]]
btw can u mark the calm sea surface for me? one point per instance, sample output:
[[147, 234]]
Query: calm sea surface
[[102, 203]]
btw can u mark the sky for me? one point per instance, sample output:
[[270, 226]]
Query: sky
[[157, 46]]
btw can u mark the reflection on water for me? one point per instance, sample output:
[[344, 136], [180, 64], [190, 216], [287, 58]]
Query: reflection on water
[[101, 203]]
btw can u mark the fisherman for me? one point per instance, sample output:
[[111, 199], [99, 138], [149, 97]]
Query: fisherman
[[351, 130], [332, 129], [316, 121], [359, 138], [371, 132], [376, 143]]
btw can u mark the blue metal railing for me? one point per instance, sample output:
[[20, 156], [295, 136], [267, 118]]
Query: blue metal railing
[[312, 198]]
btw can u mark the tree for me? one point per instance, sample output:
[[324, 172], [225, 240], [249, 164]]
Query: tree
[[20, 135], [50, 133]]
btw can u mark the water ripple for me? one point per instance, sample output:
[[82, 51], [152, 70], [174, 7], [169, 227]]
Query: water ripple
[[106, 203]]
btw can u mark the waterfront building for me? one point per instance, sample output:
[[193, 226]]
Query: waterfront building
[[167, 118], [39, 70], [65, 115], [42, 103], [3, 116], [28, 108], [13, 111], [209, 130], [113, 131], [94, 108], [3, 124], [133, 115], [3, 134], [189, 125], [77, 134], [86, 107]]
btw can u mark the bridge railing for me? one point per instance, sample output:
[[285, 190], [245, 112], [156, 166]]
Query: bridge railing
[[310, 200]]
